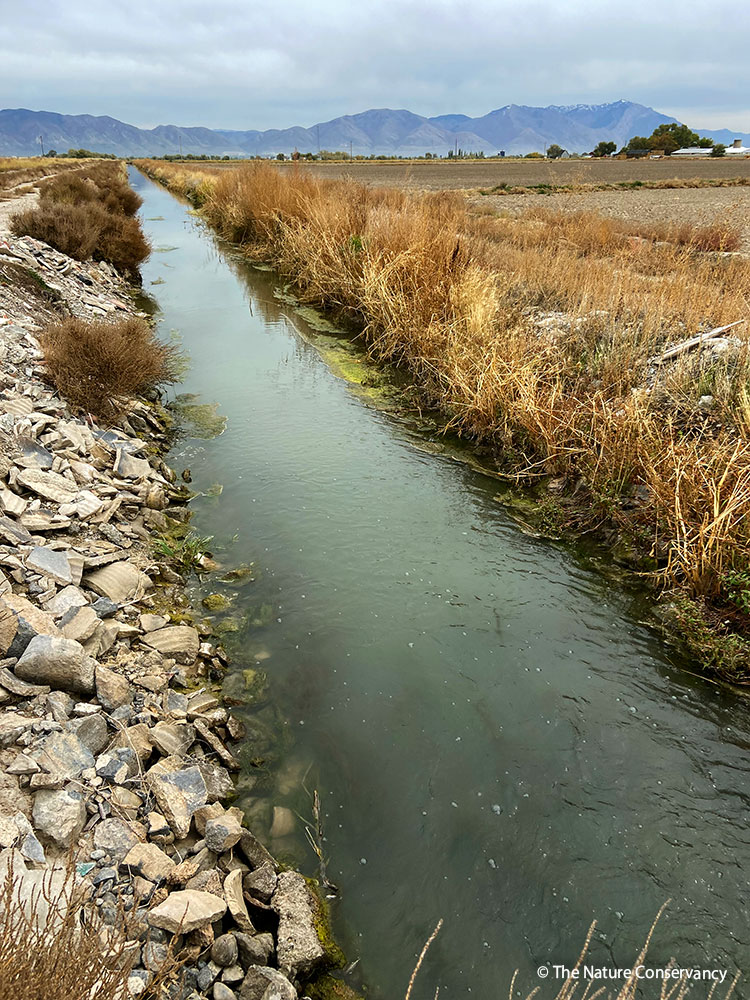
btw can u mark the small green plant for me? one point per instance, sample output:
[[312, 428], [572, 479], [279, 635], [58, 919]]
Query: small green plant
[[186, 553], [737, 589]]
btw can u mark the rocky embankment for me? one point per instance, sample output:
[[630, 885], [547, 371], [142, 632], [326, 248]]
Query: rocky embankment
[[113, 745]]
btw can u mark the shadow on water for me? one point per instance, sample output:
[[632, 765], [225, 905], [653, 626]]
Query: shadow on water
[[496, 738]]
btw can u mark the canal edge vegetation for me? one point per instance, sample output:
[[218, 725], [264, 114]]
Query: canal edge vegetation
[[544, 340]]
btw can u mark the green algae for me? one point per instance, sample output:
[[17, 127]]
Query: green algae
[[333, 956], [216, 602], [197, 419], [326, 987], [239, 575]]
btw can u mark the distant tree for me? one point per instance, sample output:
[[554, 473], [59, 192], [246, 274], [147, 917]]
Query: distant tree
[[554, 152], [670, 136], [719, 149], [51, 152], [604, 149], [280, 156], [534, 156], [639, 142]]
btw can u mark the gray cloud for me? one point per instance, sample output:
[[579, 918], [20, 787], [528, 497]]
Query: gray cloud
[[261, 64]]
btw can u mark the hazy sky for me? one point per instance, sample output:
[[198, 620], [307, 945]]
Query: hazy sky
[[274, 63]]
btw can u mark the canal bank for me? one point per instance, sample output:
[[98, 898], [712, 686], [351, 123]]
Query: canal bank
[[495, 738]]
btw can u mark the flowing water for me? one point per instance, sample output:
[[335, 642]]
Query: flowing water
[[495, 738]]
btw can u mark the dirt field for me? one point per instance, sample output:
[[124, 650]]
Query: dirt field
[[445, 174], [700, 206]]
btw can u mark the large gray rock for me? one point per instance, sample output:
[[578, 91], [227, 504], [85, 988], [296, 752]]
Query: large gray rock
[[63, 755], [112, 689], [254, 949], [80, 623], [298, 947], [61, 663], [178, 791], [21, 621], [187, 910], [115, 837], [180, 642], [223, 832], [60, 565], [261, 883], [120, 582], [149, 861], [91, 730], [59, 816], [262, 983], [171, 738], [218, 780], [224, 950]]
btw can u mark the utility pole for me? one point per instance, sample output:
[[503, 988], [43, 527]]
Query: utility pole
[[41, 143], [351, 154], [456, 149], [180, 145], [317, 129]]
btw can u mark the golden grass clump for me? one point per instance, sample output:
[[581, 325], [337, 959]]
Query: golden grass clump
[[540, 335], [97, 365]]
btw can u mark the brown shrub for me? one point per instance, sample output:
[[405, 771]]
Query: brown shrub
[[95, 365], [86, 230], [122, 242], [104, 184], [67, 228]]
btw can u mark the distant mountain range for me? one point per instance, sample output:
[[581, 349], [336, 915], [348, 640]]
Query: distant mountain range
[[516, 129]]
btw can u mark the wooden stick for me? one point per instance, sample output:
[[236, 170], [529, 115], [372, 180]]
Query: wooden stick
[[688, 345]]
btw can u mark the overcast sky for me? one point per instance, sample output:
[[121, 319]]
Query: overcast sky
[[275, 63]]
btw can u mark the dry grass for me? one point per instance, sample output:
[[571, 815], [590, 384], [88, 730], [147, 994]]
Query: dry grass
[[89, 214], [537, 335], [98, 365], [21, 170], [54, 944], [583, 187]]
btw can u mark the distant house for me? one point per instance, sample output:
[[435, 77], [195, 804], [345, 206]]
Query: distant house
[[637, 154], [693, 151], [737, 149]]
